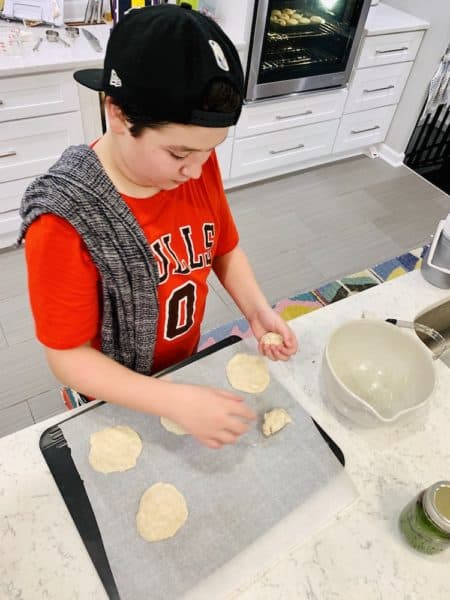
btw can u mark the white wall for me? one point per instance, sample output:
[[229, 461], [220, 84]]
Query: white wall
[[436, 40]]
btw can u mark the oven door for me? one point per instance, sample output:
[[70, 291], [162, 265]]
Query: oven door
[[300, 45]]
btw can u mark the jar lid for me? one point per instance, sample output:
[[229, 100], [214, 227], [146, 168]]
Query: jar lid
[[436, 502]]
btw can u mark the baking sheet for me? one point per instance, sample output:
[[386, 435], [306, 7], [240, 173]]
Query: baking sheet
[[234, 495]]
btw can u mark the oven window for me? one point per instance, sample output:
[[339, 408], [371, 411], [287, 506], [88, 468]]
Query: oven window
[[307, 37]]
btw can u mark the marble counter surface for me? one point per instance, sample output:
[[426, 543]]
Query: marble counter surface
[[359, 555]]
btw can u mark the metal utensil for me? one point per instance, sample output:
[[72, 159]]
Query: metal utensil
[[53, 36], [72, 32], [441, 345], [93, 40], [37, 44]]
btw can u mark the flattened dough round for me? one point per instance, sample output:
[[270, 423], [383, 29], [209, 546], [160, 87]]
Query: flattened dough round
[[172, 426], [114, 449], [162, 511], [274, 420], [248, 373], [272, 338]]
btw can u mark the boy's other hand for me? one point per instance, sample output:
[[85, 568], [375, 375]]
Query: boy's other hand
[[266, 321], [213, 416]]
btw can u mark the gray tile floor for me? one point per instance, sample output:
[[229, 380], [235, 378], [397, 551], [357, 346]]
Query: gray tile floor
[[299, 231]]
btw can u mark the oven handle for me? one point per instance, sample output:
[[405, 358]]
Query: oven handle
[[393, 50], [303, 114], [364, 130], [381, 89], [287, 149]]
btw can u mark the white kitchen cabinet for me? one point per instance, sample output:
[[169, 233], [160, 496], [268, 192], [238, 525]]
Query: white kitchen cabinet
[[377, 86], [9, 227], [10, 191], [37, 95], [268, 116], [224, 153], [387, 49], [30, 146], [40, 115], [268, 151], [363, 129]]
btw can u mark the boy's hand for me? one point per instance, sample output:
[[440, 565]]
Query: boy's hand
[[214, 417], [267, 320]]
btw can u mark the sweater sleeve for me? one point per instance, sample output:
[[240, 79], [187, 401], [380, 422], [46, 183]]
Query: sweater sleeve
[[63, 284]]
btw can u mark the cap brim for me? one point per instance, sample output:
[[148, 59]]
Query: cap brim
[[91, 78]]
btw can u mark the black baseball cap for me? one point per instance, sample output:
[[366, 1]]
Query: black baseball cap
[[162, 60]]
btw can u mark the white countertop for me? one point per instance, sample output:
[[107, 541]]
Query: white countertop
[[383, 19], [359, 555], [54, 56]]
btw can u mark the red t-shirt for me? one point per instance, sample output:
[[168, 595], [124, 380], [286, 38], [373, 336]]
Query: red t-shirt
[[186, 228]]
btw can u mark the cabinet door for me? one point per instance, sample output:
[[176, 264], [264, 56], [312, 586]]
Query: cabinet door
[[377, 86], [11, 193], [37, 95], [362, 129], [224, 152], [264, 117], [29, 147], [273, 150], [391, 48], [9, 228]]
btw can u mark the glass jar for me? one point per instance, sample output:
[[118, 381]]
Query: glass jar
[[425, 521]]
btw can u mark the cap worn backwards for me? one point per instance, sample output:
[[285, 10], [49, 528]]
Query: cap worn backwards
[[163, 59]]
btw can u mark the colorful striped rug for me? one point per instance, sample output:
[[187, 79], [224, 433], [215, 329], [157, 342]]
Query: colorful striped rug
[[305, 302]]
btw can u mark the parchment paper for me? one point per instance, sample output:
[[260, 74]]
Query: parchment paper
[[234, 495]]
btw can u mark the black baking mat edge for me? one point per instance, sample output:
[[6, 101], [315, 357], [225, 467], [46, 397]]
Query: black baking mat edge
[[58, 457]]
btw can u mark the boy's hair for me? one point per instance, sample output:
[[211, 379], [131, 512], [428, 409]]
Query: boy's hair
[[220, 97]]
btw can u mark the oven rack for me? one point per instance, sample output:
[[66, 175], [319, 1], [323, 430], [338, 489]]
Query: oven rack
[[294, 57], [314, 31]]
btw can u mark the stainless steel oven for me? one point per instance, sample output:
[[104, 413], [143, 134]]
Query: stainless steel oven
[[300, 45]]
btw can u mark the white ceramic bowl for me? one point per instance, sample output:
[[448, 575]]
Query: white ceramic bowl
[[375, 373]]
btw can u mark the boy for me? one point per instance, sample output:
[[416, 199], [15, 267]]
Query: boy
[[121, 236]]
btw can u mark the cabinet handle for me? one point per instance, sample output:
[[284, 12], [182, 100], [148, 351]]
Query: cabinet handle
[[287, 149], [8, 153], [302, 114], [364, 130], [388, 87], [393, 50]]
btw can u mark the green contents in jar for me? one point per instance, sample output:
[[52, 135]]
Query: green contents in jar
[[421, 533]]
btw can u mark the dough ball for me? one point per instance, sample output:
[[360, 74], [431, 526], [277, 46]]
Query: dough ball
[[282, 22], [248, 373], [288, 11], [274, 19], [114, 449], [162, 511], [316, 19], [272, 338], [172, 427], [304, 21], [297, 15], [274, 420], [292, 22], [276, 13]]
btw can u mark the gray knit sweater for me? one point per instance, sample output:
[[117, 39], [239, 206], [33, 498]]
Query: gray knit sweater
[[77, 188]]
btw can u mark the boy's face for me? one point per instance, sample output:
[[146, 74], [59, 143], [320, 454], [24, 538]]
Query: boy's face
[[166, 157]]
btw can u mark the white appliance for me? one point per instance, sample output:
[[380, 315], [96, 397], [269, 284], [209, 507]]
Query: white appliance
[[47, 11]]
